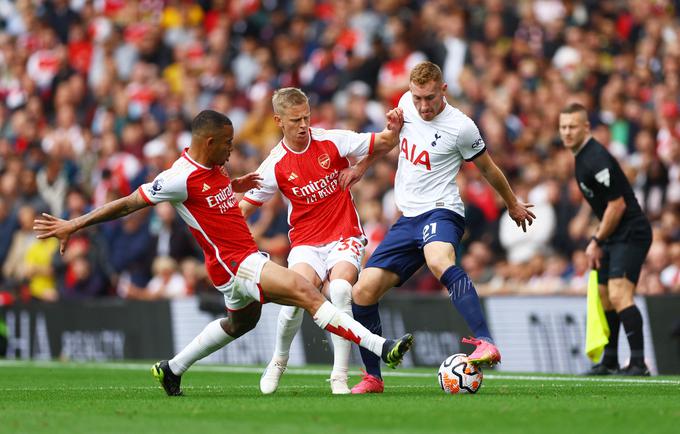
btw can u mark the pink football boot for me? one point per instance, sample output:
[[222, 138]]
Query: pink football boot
[[369, 384], [485, 353]]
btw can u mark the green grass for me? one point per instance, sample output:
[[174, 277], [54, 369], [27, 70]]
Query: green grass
[[123, 398]]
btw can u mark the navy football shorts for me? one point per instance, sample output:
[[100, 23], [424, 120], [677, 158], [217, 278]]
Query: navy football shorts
[[402, 249]]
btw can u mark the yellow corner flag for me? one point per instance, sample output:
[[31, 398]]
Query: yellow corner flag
[[597, 329]]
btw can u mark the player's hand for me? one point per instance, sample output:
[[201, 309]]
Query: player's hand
[[246, 182], [594, 254], [395, 119], [350, 176], [521, 214], [50, 226]]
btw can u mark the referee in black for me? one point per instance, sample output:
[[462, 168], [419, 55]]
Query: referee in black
[[619, 246]]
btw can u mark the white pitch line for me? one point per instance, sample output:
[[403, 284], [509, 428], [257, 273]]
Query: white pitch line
[[305, 371]]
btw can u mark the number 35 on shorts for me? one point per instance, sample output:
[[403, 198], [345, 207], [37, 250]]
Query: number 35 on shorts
[[351, 244]]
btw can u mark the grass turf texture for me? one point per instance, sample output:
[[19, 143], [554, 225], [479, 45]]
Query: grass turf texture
[[124, 398]]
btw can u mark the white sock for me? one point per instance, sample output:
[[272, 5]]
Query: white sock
[[212, 338], [290, 320], [341, 297], [328, 317]]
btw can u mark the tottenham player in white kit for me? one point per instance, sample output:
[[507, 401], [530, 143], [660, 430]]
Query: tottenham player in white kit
[[435, 140], [325, 233], [199, 188]]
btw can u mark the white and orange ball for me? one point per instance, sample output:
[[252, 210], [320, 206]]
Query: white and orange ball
[[457, 375]]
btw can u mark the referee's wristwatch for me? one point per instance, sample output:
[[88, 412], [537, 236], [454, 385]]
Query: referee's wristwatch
[[597, 240]]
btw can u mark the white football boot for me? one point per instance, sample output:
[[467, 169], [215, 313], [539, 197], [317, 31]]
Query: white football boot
[[269, 381], [339, 384]]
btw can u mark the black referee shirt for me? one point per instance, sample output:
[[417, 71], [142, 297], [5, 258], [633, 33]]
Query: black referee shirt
[[601, 180]]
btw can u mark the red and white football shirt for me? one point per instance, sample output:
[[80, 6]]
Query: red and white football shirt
[[204, 199], [319, 211]]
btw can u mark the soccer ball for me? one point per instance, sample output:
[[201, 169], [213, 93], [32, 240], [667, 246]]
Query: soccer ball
[[456, 375]]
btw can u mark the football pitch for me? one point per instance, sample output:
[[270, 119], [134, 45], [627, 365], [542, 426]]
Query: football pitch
[[53, 397]]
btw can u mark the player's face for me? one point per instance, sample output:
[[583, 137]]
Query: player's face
[[222, 145], [574, 128], [294, 122], [428, 98]]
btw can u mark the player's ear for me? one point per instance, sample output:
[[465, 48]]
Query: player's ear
[[278, 120], [444, 87]]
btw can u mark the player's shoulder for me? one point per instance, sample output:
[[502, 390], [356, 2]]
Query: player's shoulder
[[181, 168], [322, 134], [456, 124], [334, 138], [593, 152], [456, 117], [406, 100], [277, 152]]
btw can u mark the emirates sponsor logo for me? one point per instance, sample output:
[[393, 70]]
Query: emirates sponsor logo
[[325, 161], [224, 199], [321, 188], [206, 187]]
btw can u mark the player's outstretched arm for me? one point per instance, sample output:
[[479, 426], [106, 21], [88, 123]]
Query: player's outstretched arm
[[384, 142], [519, 212], [47, 225], [247, 208], [389, 137], [246, 182]]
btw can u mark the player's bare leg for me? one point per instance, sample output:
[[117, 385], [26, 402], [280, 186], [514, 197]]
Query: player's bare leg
[[372, 285], [288, 324], [441, 260], [342, 276], [214, 336], [284, 286]]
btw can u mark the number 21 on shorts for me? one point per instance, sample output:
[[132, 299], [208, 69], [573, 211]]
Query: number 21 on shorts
[[429, 230]]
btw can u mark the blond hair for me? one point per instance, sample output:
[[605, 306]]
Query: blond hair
[[288, 97], [425, 72]]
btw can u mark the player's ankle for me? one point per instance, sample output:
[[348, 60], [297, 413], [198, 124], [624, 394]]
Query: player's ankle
[[281, 360]]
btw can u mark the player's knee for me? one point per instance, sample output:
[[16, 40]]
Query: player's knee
[[240, 327], [620, 300], [606, 303], [620, 297], [364, 295], [340, 292], [439, 265], [304, 294]]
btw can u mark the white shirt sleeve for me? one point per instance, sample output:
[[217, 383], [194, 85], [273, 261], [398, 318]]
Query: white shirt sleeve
[[169, 186], [349, 143], [470, 142], [269, 185]]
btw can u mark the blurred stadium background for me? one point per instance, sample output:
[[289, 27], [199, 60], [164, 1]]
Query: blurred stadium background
[[96, 96]]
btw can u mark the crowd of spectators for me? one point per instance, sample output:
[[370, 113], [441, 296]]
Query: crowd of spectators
[[96, 97]]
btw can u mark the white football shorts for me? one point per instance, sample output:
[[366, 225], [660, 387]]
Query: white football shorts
[[245, 287], [323, 258]]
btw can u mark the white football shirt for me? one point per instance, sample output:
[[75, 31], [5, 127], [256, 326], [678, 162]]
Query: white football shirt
[[430, 156]]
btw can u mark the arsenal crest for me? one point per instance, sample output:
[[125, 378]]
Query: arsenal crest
[[325, 161]]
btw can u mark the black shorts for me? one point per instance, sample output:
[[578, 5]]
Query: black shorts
[[623, 259]]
